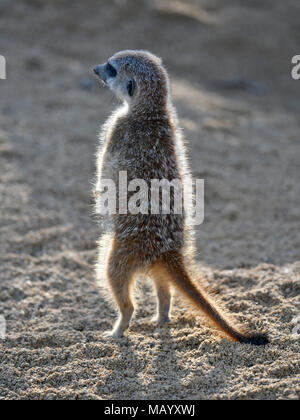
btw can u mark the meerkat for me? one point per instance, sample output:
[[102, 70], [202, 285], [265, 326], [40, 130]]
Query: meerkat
[[142, 137]]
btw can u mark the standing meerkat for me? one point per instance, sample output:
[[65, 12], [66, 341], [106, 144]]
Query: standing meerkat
[[142, 138]]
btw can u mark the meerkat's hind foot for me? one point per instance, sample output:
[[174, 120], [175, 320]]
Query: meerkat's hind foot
[[114, 333], [160, 319], [118, 331], [255, 339]]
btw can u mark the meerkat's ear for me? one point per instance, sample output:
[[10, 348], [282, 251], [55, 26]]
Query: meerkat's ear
[[130, 87]]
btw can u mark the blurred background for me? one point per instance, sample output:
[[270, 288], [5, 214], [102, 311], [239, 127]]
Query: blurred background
[[230, 66]]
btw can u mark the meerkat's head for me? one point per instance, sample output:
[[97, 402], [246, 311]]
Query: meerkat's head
[[135, 76]]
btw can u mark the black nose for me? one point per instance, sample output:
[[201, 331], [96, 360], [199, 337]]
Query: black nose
[[96, 70]]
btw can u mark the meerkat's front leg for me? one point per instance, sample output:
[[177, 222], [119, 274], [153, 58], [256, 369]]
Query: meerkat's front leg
[[163, 298]]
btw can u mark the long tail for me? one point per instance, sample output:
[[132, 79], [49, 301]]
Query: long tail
[[173, 263]]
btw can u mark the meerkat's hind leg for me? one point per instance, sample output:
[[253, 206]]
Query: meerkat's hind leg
[[163, 297], [121, 290], [120, 279]]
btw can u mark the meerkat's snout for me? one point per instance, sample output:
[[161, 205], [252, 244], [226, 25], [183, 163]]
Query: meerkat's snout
[[96, 70], [100, 72], [116, 78], [105, 71]]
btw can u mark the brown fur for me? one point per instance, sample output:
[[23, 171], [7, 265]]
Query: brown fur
[[143, 139]]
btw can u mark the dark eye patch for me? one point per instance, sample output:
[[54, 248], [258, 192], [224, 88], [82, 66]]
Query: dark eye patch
[[110, 70], [130, 87]]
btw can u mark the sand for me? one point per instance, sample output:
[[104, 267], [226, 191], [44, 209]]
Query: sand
[[239, 108]]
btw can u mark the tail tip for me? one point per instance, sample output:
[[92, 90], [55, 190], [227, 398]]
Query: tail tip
[[255, 339]]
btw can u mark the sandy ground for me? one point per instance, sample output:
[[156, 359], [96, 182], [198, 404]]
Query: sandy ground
[[230, 68]]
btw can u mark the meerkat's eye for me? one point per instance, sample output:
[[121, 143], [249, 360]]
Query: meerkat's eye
[[110, 70], [130, 87]]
